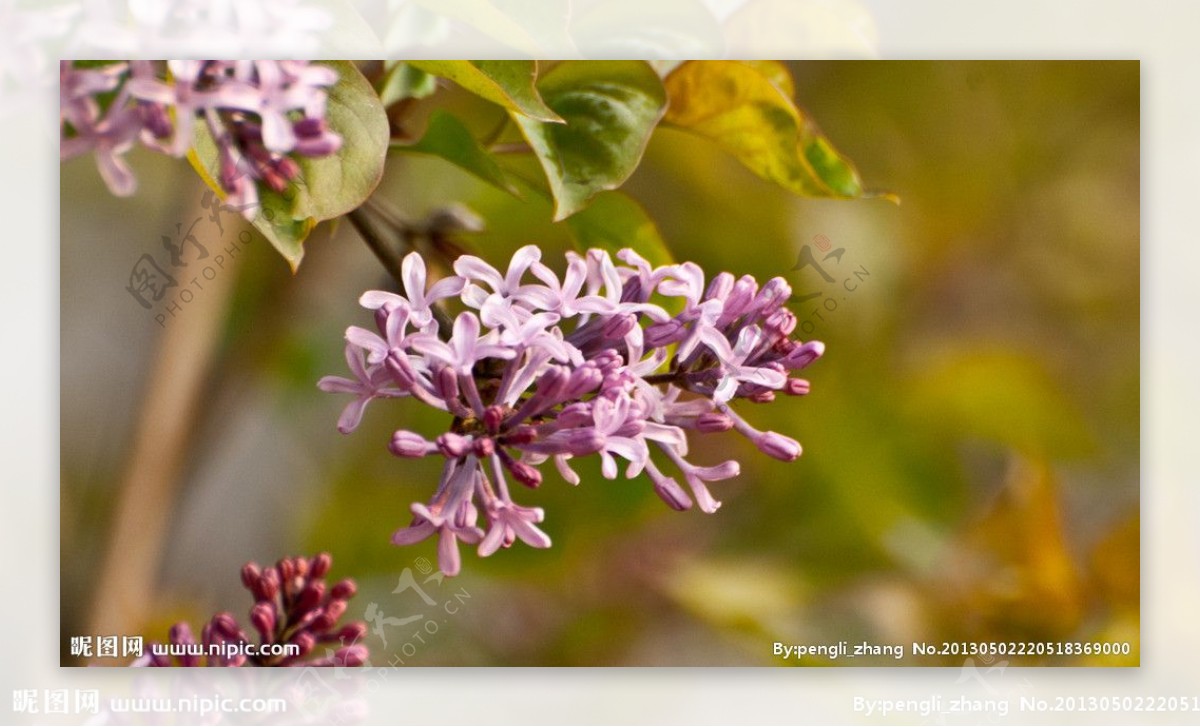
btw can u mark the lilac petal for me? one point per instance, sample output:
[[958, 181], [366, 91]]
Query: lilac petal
[[412, 271], [704, 498], [148, 89], [474, 268], [727, 470], [608, 466], [431, 346], [497, 311], [376, 347], [529, 533], [449, 561], [338, 385], [493, 540], [232, 94], [277, 131], [445, 288], [666, 434], [376, 299], [521, 260], [564, 469], [539, 296], [116, 173], [352, 415], [355, 362], [474, 296], [687, 282], [68, 148], [414, 533], [466, 334]]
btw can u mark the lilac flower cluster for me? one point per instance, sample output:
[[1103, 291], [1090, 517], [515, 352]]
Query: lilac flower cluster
[[292, 606], [259, 113], [541, 368]]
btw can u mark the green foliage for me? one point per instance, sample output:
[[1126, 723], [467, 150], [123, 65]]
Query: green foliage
[[610, 109], [508, 83], [748, 110], [615, 220], [403, 81], [448, 138]]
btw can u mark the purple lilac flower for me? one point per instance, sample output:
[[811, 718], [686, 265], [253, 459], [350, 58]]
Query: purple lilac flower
[[293, 606], [540, 369], [260, 114]]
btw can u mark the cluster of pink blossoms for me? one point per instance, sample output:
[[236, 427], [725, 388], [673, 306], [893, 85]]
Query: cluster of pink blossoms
[[294, 613], [260, 115], [540, 368]]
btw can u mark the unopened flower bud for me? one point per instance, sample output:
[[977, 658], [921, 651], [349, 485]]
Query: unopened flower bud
[[796, 387], [665, 333], [250, 574], [778, 446], [352, 633], [584, 441], [584, 380], [320, 565], [267, 585], [781, 323], [719, 287], [525, 473], [551, 383], [523, 434], [773, 294], [802, 356], [408, 444], [484, 447], [310, 597], [305, 641], [493, 417], [617, 326], [226, 625], [343, 590], [181, 633], [351, 655], [262, 616], [453, 445]]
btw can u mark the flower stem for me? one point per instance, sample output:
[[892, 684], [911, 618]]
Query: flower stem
[[390, 258]]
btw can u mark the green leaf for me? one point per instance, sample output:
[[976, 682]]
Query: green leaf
[[448, 138], [402, 80], [610, 107], [326, 187], [747, 109], [613, 221], [507, 83]]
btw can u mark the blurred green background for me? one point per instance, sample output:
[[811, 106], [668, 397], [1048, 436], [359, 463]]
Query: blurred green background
[[971, 463]]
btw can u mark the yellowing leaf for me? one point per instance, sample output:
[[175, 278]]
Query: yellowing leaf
[[747, 109]]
